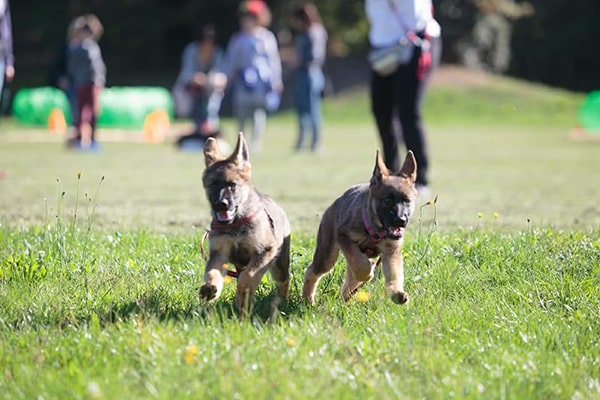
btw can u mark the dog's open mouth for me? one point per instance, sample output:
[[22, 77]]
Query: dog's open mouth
[[395, 232], [225, 216]]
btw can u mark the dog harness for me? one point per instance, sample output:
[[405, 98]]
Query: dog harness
[[374, 237], [218, 226]]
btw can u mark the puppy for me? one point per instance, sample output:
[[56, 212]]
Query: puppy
[[248, 230], [367, 221]]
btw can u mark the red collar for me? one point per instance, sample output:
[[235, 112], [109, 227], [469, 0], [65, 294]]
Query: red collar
[[375, 237], [245, 220]]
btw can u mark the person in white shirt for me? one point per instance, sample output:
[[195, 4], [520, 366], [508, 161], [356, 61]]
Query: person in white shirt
[[402, 91]]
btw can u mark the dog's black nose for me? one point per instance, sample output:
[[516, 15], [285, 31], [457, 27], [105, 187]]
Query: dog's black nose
[[222, 205], [402, 221]]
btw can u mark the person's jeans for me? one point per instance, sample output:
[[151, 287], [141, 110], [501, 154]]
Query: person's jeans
[[307, 98]]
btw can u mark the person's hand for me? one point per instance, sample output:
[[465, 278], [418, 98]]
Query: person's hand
[[218, 80], [527, 9], [199, 79], [278, 87], [10, 73]]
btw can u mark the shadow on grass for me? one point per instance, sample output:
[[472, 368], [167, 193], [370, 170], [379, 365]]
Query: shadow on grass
[[160, 306]]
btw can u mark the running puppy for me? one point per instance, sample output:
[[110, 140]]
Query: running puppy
[[248, 230], [367, 221]]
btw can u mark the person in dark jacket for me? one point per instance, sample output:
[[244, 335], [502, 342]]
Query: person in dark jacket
[[87, 75]]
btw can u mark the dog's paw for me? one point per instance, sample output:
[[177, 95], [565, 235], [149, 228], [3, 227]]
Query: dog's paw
[[399, 297], [208, 292]]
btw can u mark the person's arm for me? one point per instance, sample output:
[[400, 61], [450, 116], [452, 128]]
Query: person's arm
[[318, 37], [229, 63], [6, 35], [188, 64], [98, 66], [274, 61]]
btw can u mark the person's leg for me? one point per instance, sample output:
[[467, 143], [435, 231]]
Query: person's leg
[[2, 74], [259, 125], [95, 99], [302, 104], [316, 119], [382, 103], [303, 125], [240, 111], [85, 105], [411, 92]]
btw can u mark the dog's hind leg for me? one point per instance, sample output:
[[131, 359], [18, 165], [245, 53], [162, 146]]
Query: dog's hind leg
[[326, 255], [281, 269]]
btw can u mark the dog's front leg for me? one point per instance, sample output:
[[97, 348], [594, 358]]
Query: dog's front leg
[[213, 277], [359, 268], [393, 271]]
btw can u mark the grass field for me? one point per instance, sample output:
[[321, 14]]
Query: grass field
[[98, 287]]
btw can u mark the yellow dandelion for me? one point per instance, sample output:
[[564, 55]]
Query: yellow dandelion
[[290, 342], [227, 279], [479, 215], [496, 215], [189, 355], [362, 296]]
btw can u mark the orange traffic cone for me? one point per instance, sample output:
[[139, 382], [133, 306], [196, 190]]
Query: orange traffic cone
[[156, 126], [56, 121]]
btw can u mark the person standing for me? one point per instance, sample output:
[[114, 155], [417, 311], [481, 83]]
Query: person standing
[[311, 48], [403, 90], [200, 61], [87, 74], [253, 69], [7, 66]]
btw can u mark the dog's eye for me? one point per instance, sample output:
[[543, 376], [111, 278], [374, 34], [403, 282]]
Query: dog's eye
[[388, 202]]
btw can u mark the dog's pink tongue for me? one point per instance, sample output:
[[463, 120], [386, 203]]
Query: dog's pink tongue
[[396, 231], [224, 216]]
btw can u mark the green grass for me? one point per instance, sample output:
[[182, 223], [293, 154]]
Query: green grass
[[98, 287]]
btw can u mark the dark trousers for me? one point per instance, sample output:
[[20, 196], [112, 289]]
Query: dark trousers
[[87, 102], [403, 93]]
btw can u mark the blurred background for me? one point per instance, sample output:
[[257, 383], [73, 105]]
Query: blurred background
[[556, 43]]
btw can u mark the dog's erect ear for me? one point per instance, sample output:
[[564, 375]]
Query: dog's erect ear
[[380, 171], [212, 154], [240, 155], [409, 168]]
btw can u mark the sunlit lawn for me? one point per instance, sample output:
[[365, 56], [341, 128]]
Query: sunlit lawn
[[98, 288]]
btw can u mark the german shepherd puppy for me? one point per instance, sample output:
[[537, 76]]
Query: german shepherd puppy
[[367, 221], [248, 230]]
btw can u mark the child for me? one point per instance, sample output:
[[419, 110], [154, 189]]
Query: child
[[87, 75], [311, 44], [253, 68]]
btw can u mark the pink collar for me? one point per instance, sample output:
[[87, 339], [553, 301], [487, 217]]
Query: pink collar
[[375, 237]]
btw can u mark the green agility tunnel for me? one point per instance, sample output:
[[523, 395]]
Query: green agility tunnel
[[589, 113], [120, 107]]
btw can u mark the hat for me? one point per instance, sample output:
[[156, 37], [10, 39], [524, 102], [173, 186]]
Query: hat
[[253, 7]]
